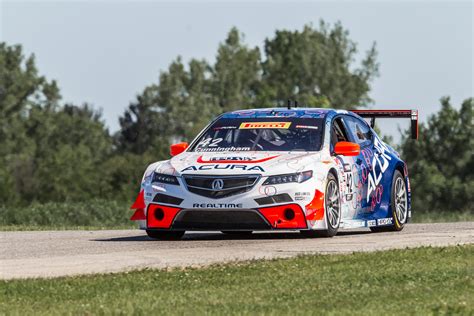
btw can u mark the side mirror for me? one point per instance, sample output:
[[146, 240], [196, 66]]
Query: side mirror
[[347, 149], [176, 149]]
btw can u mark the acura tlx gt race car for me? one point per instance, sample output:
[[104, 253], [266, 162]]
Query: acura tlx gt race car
[[306, 169]]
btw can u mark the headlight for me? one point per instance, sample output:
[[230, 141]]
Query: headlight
[[287, 178], [165, 178]]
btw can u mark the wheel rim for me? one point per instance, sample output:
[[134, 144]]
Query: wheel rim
[[333, 207], [401, 202]]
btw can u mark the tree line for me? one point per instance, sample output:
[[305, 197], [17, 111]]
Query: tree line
[[60, 152]]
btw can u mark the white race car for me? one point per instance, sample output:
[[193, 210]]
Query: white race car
[[311, 170]]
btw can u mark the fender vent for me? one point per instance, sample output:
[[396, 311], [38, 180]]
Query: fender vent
[[167, 199], [279, 198]]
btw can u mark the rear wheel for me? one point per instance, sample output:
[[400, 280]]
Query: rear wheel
[[398, 203], [332, 206], [164, 235]]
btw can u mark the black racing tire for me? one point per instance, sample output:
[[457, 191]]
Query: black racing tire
[[397, 219], [165, 235], [332, 223], [237, 232]]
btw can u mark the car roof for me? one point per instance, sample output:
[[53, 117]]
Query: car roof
[[279, 112]]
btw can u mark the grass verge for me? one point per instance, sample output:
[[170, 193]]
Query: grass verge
[[415, 281], [99, 214], [442, 217]]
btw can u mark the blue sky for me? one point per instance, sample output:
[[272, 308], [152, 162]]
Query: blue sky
[[106, 52]]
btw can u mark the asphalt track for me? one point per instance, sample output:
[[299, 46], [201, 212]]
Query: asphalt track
[[63, 253]]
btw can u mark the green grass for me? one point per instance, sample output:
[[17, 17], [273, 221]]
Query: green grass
[[101, 214], [442, 217], [419, 281], [11, 228]]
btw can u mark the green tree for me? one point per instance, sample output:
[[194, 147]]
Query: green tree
[[441, 163], [48, 151], [142, 126], [21, 88], [316, 67], [237, 74], [175, 109], [187, 99], [71, 146]]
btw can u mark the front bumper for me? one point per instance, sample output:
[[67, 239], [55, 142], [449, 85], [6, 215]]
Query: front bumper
[[288, 216], [263, 207]]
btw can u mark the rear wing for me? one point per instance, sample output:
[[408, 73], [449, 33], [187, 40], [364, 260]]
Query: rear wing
[[373, 114]]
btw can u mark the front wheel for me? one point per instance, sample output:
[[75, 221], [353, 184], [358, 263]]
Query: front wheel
[[398, 203], [164, 235], [332, 207]]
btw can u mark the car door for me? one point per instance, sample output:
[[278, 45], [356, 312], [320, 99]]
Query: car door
[[348, 168], [360, 133]]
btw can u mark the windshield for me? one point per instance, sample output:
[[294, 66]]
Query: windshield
[[262, 134]]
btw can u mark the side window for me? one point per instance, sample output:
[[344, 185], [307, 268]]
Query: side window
[[338, 132], [360, 130]]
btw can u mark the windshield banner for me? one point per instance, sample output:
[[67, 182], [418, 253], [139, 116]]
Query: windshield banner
[[255, 125]]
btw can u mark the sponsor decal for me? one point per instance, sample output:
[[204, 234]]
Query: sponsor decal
[[218, 159], [244, 112], [217, 205], [354, 224], [376, 198], [306, 126], [371, 223], [384, 221], [255, 125], [302, 196], [315, 113], [148, 196], [380, 159], [223, 167], [224, 127]]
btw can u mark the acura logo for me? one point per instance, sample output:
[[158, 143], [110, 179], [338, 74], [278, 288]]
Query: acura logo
[[217, 184]]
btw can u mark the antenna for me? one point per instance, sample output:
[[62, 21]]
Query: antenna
[[289, 104]]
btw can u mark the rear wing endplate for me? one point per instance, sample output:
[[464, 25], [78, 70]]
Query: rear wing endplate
[[373, 114]]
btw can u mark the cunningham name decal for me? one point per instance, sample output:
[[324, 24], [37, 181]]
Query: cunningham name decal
[[223, 167]]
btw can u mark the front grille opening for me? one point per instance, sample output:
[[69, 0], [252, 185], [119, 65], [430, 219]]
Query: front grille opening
[[230, 185], [212, 219]]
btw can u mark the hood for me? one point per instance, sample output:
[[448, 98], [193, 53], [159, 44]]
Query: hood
[[230, 163]]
